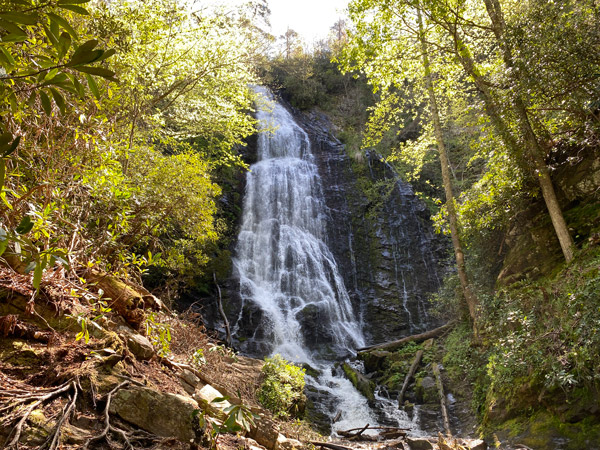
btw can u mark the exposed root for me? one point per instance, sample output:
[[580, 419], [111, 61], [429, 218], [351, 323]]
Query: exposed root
[[127, 437], [107, 425], [65, 416], [37, 399]]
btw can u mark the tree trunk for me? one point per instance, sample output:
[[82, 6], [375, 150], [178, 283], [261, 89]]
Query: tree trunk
[[470, 298], [535, 150], [413, 338]]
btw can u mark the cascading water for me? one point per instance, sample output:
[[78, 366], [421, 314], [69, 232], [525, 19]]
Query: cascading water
[[287, 272]]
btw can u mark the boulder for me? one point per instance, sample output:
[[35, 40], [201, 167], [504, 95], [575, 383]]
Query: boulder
[[163, 414], [265, 432], [137, 344], [205, 398], [284, 443], [365, 386], [426, 390], [419, 443]]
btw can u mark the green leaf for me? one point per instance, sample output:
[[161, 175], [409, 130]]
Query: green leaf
[[3, 245], [7, 57], [51, 37], [19, 17], [93, 86], [72, 2], [46, 103], [85, 53], [58, 99], [57, 78], [75, 9], [63, 23], [107, 54], [5, 138], [100, 71], [66, 85], [14, 37], [32, 98], [25, 226], [78, 86], [64, 43], [37, 275], [11, 28], [6, 148]]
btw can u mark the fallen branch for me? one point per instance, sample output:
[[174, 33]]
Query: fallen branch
[[353, 436], [440, 387], [411, 373], [414, 338], [330, 445]]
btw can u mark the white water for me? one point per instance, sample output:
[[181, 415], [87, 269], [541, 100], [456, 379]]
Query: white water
[[285, 267]]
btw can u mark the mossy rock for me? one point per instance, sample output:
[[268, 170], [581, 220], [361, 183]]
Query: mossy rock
[[545, 431], [426, 390], [365, 386], [375, 360]]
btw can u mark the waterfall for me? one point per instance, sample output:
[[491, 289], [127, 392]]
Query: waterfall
[[282, 260], [292, 293]]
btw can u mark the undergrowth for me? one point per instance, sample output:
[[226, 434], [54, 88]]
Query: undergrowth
[[282, 389], [540, 342]]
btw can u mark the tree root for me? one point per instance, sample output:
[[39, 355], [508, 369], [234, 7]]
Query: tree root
[[128, 437], [38, 398], [20, 404]]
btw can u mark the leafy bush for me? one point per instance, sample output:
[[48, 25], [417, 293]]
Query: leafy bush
[[282, 389]]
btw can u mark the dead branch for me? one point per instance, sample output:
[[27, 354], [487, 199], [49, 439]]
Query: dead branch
[[330, 445], [414, 338], [440, 387], [411, 373]]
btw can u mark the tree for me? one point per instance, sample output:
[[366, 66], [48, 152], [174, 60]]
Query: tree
[[390, 46]]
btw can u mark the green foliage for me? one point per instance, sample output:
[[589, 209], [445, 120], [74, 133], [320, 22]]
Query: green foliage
[[239, 418], [282, 389], [119, 176], [540, 340], [97, 311], [159, 334]]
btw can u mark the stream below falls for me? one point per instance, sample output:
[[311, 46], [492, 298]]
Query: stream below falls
[[290, 280]]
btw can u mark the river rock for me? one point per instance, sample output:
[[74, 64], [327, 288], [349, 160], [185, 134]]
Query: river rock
[[365, 386], [419, 443], [164, 414], [374, 361]]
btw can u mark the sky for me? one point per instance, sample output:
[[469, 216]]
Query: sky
[[310, 18]]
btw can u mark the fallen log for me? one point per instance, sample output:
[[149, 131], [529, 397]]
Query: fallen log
[[411, 372], [442, 395], [119, 296], [330, 445], [414, 338]]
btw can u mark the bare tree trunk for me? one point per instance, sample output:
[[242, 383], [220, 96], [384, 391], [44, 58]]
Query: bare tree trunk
[[470, 298]]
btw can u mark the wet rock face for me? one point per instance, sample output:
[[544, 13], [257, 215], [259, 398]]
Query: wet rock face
[[392, 261]]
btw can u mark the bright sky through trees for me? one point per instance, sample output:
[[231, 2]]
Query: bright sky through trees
[[310, 18]]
